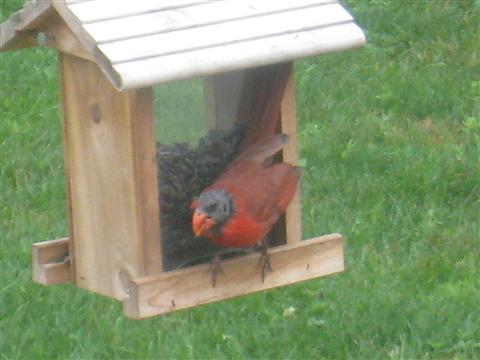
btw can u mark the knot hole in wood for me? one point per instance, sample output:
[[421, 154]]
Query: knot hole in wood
[[95, 113]]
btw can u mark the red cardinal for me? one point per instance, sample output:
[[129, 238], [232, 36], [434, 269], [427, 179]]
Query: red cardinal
[[242, 205]]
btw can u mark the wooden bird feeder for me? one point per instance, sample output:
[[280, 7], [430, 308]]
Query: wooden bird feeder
[[110, 56]]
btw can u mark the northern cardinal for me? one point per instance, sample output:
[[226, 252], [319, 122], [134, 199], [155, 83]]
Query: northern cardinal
[[184, 171], [247, 199]]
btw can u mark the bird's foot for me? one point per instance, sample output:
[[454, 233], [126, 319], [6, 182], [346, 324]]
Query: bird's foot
[[216, 268], [265, 263]]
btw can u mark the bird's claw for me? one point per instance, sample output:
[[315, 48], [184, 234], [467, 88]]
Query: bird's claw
[[265, 264], [215, 268]]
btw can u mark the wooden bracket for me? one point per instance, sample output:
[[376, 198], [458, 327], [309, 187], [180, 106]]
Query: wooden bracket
[[56, 34], [51, 31], [50, 262], [19, 30], [180, 289]]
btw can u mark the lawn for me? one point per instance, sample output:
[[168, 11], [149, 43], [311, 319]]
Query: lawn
[[389, 139]]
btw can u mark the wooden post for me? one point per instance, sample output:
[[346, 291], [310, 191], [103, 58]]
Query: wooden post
[[223, 99], [110, 164], [293, 217]]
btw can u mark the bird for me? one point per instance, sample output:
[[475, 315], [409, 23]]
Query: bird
[[184, 171], [243, 204]]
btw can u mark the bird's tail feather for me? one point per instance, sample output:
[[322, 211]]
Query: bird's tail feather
[[264, 148], [269, 87]]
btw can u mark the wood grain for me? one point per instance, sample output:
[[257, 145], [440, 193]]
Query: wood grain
[[50, 263], [180, 289], [239, 55], [224, 33], [112, 183], [94, 11], [146, 23], [57, 35], [16, 32], [87, 42], [288, 119], [66, 157], [196, 37], [141, 115]]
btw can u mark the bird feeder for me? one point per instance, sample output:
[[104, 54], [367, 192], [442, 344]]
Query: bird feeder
[[111, 54]]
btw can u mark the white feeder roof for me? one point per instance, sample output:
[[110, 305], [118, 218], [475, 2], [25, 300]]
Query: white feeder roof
[[145, 42]]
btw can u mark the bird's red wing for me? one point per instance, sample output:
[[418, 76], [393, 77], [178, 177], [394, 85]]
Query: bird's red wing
[[269, 87], [290, 178], [281, 186], [259, 191]]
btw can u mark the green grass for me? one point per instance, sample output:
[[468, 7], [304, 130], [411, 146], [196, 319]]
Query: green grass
[[389, 140]]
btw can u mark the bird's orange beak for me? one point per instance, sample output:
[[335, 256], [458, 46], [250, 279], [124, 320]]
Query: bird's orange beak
[[199, 222]]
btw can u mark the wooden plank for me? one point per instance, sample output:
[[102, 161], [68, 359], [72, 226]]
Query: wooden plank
[[142, 118], [201, 62], [15, 33], [51, 32], [224, 33], [180, 289], [54, 33], [66, 166], [189, 17], [290, 155], [112, 172], [101, 10], [223, 95], [50, 263], [87, 42], [10, 39], [31, 15], [76, 27]]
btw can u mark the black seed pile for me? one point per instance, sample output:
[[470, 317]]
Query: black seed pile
[[183, 172]]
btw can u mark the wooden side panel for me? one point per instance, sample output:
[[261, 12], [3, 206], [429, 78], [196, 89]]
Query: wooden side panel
[[293, 218], [56, 34], [175, 290], [112, 184]]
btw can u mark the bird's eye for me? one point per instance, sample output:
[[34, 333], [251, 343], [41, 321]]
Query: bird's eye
[[211, 207]]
